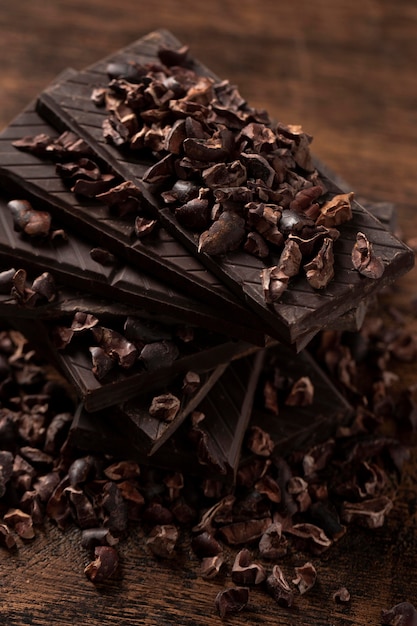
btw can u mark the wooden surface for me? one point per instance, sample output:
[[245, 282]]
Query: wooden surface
[[344, 70]]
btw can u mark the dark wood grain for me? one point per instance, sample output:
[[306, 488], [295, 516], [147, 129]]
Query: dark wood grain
[[346, 72]]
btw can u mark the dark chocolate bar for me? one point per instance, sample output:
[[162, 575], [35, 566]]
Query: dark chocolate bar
[[70, 262], [293, 426], [204, 352], [211, 448], [300, 308], [158, 255]]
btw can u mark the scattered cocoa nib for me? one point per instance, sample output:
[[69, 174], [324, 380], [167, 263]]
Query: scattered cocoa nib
[[239, 533], [169, 56], [154, 354], [165, 407], [269, 487], [221, 508], [273, 544], [299, 489], [232, 600], [370, 513], [278, 587], [320, 270], [102, 363], [104, 566], [306, 577], [302, 393], [364, 259], [162, 540], [45, 287], [116, 346], [336, 211], [6, 538], [259, 442], [56, 148], [224, 235], [122, 470], [204, 133], [210, 566], [144, 226], [274, 283], [92, 537], [246, 573], [21, 522], [158, 514], [191, 383], [402, 614], [81, 470], [28, 220], [205, 545], [310, 537], [341, 595], [103, 257]]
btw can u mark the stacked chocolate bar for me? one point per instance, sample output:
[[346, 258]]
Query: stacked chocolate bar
[[173, 251]]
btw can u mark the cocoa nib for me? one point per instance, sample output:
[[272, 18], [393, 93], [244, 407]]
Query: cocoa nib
[[336, 211], [165, 407], [320, 270], [370, 513], [302, 393], [364, 259], [104, 566], [231, 600], [239, 533], [273, 544], [259, 442], [341, 595], [205, 545], [402, 614], [278, 587], [162, 540], [245, 572], [306, 577], [28, 220], [275, 279], [21, 522], [116, 346], [224, 235], [194, 214], [274, 283], [210, 566]]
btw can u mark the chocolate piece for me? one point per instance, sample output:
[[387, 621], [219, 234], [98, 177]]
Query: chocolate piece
[[301, 307], [226, 409], [71, 263], [120, 384], [147, 431], [291, 427]]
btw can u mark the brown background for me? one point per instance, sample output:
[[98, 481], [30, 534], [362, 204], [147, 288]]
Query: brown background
[[346, 71]]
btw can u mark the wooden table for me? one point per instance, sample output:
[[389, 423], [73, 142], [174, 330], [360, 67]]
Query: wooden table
[[344, 70]]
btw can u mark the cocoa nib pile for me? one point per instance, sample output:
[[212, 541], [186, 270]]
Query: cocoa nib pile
[[231, 176], [268, 531]]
